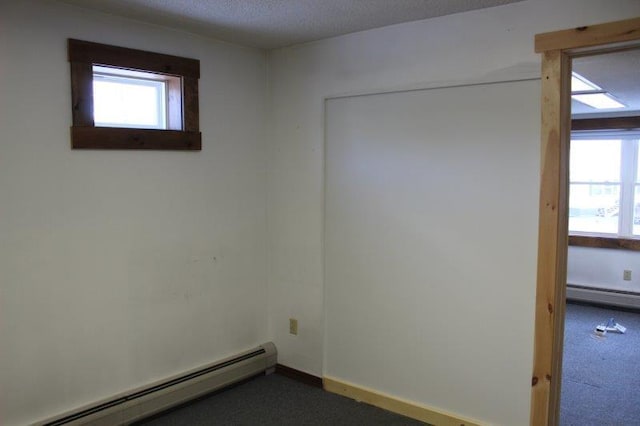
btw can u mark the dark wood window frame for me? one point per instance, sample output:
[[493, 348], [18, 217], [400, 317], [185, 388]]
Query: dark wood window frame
[[181, 74], [604, 242], [595, 124], [607, 123]]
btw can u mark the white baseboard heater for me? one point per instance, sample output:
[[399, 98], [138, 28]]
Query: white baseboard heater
[[603, 296], [134, 405]]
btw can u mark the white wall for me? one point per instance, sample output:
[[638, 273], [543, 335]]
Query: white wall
[[415, 190], [492, 44], [603, 268], [596, 275], [118, 268]]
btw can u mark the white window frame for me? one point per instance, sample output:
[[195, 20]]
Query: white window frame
[[630, 145], [136, 78]]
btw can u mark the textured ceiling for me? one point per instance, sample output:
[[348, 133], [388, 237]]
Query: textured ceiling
[[278, 23], [617, 73]]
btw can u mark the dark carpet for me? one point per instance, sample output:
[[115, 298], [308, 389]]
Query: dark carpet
[[600, 376], [277, 400]]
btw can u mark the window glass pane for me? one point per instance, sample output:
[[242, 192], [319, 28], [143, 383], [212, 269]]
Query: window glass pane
[[595, 161], [594, 208], [127, 102]]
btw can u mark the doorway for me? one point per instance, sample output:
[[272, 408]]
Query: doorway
[[600, 330], [557, 49]]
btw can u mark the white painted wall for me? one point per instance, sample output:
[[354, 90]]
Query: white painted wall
[[492, 44], [603, 268], [118, 268], [412, 200]]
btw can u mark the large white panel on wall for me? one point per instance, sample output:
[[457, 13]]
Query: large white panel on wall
[[430, 245]]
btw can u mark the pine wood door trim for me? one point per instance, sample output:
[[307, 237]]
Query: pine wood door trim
[[589, 36], [556, 48], [396, 405], [552, 237]]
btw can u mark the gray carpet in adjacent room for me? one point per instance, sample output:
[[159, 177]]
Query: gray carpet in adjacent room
[[600, 377], [277, 400]]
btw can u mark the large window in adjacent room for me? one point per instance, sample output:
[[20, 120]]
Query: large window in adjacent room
[[604, 192], [132, 99]]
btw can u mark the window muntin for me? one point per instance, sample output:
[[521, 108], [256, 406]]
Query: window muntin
[[604, 187], [636, 192], [636, 210]]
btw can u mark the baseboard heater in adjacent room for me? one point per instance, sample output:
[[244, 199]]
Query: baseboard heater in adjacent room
[[134, 405], [603, 296]]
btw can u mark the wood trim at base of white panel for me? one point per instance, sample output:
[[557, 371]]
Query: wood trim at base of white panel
[[397, 405]]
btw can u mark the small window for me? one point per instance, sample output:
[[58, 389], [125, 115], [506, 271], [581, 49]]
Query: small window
[[133, 99]]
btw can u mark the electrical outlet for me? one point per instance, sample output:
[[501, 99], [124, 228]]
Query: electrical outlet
[[293, 326], [627, 275]]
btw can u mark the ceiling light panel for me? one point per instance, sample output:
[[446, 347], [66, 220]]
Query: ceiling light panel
[[581, 84], [598, 100]]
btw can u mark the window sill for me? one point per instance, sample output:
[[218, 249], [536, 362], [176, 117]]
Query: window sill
[[87, 137], [604, 242]]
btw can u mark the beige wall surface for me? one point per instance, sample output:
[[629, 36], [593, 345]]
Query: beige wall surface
[[120, 267]]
